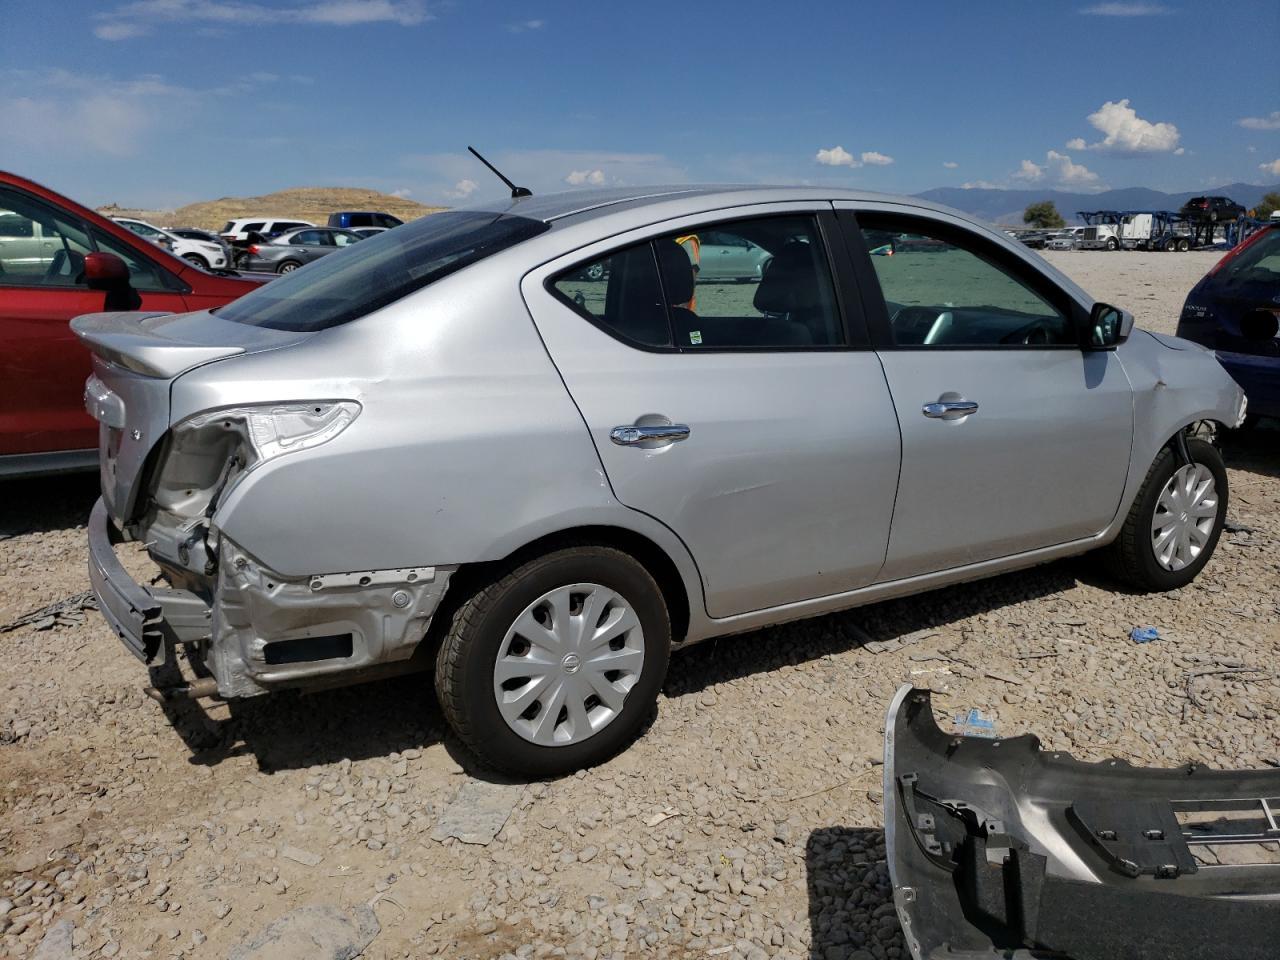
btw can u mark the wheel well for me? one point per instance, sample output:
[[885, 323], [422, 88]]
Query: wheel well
[[652, 557]]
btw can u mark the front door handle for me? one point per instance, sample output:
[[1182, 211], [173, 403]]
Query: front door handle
[[949, 409], [632, 435]]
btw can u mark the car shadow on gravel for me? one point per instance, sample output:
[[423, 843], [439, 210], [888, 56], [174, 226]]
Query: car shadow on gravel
[[731, 658], [288, 730], [1255, 451], [41, 504], [850, 896]]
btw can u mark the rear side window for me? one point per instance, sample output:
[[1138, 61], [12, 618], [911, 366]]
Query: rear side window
[[761, 283], [253, 227], [380, 270], [386, 220]]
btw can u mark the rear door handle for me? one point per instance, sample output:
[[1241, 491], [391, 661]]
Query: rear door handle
[[630, 436], [949, 409]]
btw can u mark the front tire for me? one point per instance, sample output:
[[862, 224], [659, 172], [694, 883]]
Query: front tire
[[288, 266], [1113, 244], [1175, 521], [197, 261], [556, 665]]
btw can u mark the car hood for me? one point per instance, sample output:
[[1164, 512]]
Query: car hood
[[1173, 343]]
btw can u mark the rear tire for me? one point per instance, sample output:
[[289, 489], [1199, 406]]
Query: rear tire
[[1135, 556], [514, 618]]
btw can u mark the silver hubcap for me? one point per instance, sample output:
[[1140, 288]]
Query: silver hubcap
[[1185, 515], [566, 665]]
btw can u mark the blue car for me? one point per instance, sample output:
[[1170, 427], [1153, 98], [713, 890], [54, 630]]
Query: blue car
[[1235, 311]]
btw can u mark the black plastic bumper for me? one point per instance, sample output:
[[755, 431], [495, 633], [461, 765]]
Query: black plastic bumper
[[142, 618]]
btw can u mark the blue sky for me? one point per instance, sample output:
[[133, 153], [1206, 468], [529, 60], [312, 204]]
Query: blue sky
[[163, 102]]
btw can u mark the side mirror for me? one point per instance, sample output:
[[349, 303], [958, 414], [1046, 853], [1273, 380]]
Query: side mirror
[[105, 271], [1259, 325], [1108, 327]]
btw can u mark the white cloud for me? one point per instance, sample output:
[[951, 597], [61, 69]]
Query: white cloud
[[524, 26], [1180, 151], [1126, 9], [578, 178], [1029, 172], [1126, 132], [133, 18], [1272, 168], [120, 31], [950, 164], [462, 189], [1270, 122], [402, 192], [836, 157], [980, 185], [1068, 173]]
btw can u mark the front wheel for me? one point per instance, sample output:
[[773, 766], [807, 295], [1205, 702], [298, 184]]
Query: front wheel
[[288, 266], [1113, 244], [556, 665], [196, 261], [1175, 521]]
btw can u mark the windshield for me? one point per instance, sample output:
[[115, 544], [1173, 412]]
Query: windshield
[[1259, 261], [375, 272]]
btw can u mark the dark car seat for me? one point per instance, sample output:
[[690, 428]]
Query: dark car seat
[[793, 293], [677, 284]]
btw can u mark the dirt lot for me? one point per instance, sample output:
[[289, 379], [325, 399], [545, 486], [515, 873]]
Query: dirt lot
[[745, 823]]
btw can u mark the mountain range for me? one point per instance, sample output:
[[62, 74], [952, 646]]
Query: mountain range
[[1006, 206]]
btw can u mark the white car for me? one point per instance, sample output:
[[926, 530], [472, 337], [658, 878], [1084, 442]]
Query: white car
[[198, 253], [239, 230]]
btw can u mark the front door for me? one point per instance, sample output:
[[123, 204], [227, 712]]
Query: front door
[[1013, 438], [43, 367], [753, 425]]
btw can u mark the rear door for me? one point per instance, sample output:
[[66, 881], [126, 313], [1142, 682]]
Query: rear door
[[758, 428], [42, 366], [1013, 438]]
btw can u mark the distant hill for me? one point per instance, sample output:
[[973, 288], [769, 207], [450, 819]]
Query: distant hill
[[1006, 206], [301, 203]]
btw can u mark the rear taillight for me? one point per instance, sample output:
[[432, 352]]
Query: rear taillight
[[1235, 251], [253, 248]]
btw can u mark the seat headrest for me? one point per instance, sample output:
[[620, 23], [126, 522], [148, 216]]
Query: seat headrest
[[677, 271], [791, 282]]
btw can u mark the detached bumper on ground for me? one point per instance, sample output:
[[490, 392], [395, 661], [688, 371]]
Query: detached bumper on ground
[[997, 849]]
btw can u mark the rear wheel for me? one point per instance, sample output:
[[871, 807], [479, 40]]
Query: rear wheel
[[556, 665], [288, 266], [1184, 245], [1175, 521]]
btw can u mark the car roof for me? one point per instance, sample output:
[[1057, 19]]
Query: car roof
[[582, 205]]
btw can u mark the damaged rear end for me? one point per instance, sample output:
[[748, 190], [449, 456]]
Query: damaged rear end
[[998, 849], [247, 627]]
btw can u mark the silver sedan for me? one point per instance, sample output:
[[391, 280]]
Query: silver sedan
[[527, 446]]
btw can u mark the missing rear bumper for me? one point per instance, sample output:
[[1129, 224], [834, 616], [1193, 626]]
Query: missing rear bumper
[[997, 849]]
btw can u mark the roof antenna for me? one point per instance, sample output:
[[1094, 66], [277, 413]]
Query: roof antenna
[[516, 192]]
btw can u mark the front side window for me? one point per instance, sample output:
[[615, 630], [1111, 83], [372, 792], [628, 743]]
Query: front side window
[[943, 289], [306, 238], [343, 239], [40, 246], [143, 274], [762, 283], [380, 270]]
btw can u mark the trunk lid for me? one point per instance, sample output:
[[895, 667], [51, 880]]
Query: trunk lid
[[136, 358]]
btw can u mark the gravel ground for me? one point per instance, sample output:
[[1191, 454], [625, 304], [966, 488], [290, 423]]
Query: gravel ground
[[745, 823]]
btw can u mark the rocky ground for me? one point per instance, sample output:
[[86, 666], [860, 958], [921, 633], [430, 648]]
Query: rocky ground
[[745, 823]]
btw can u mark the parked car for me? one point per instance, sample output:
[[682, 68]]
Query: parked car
[[347, 219], [1211, 208], [288, 251], [724, 255], [59, 259], [1233, 310], [204, 254], [206, 236], [435, 449], [1068, 239], [246, 229]]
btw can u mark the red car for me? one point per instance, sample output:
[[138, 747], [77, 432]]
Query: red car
[[57, 261]]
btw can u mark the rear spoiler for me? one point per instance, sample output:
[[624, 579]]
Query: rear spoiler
[[130, 339]]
